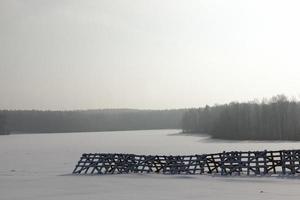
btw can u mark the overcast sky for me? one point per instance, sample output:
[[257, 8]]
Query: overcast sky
[[152, 54]]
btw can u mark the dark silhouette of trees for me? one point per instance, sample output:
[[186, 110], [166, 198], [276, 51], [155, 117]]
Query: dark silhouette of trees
[[274, 119], [32, 121], [3, 130]]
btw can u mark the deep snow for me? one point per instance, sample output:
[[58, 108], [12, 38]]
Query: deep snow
[[38, 166]]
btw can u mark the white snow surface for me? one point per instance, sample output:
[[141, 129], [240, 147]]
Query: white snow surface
[[39, 166]]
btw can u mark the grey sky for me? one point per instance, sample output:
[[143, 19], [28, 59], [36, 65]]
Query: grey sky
[[71, 54]]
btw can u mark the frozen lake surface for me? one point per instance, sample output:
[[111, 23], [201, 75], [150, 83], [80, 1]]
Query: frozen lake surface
[[38, 167]]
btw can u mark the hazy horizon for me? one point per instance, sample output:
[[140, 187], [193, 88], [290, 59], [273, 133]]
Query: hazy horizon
[[138, 54], [290, 98]]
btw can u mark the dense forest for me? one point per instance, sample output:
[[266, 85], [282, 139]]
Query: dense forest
[[2, 124], [88, 120], [277, 118]]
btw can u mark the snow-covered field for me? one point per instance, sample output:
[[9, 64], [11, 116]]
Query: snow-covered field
[[38, 167]]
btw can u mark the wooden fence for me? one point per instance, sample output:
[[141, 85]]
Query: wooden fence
[[225, 163]]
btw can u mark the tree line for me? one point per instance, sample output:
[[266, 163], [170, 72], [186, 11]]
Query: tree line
[[34, 121], [2, 124], [277, 118]]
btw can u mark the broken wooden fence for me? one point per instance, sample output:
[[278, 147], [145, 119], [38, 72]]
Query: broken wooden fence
[[225, 163]]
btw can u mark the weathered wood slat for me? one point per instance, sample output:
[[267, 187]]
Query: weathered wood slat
[[225, 163]]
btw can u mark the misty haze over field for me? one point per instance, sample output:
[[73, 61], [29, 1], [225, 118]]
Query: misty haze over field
[[170, 96], [127, 61], [73, 54]]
